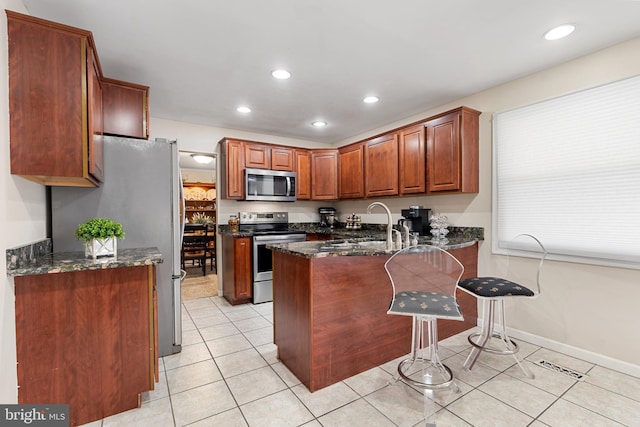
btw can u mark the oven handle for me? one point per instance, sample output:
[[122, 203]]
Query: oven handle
[[279, 238]]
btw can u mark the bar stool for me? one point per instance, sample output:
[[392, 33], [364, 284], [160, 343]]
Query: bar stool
[[522, 279], [424, 280]]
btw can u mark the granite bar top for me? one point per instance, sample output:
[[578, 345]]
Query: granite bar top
[[368, 246], [65, 262], [368, 231]]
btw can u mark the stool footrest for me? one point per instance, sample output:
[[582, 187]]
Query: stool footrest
[[514, 346]]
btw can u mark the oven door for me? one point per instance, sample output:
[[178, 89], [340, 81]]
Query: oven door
[[262, 257], [263, 264]]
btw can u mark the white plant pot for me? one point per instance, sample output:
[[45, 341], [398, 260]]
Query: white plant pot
[[97, 248]]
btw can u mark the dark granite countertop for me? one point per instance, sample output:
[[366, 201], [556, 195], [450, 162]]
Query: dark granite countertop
[[65, 262], [368, 231], [368, 246]]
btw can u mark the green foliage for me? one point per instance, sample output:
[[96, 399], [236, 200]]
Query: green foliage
[[99, 228]]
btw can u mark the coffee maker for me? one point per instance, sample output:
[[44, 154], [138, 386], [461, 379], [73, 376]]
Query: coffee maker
[[327, 217], [417, 219]]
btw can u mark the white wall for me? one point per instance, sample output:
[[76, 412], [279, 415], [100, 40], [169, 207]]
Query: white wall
[[22, 220]]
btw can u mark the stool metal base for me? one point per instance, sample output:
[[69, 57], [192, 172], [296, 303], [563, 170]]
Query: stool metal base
[[482, 341], [426, 372]]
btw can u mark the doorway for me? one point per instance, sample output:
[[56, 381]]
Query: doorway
[[198, 171]]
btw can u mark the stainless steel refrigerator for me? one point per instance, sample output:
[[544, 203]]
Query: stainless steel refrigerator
[[141, 190]]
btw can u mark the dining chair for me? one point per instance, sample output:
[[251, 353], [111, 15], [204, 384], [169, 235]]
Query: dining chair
[[194, 246], [520, 279], [424, 280]]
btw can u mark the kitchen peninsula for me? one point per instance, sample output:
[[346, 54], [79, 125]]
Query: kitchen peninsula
[[85, 329], [330, 301]]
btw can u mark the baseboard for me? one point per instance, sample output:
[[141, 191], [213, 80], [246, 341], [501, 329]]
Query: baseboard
[[579, 353]]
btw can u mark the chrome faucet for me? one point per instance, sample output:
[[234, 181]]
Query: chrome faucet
[[389, 223]]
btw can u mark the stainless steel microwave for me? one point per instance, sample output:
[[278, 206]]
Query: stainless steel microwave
[[268, 185]]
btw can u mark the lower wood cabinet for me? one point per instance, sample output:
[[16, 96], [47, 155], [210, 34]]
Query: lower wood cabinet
[[87, 339], [236, 269]]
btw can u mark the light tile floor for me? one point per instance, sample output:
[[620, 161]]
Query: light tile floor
[[228, 375]]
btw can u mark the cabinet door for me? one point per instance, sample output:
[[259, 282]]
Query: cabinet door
[[411, 148], [242, 258], [303, 174], [281, 159], [453, 151], [126, 109], [95, 117], [350, 175], [257, 155], [443, 153], [381, 166], [234, 164], [324, 174], [50, 70]]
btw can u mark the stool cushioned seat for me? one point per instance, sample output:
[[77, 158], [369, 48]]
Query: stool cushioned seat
[[413, 303], [494, 287]]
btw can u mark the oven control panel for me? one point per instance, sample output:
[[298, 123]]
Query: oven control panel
[[263, 217]]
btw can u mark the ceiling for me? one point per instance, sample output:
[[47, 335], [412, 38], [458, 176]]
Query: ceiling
[[202, 59]]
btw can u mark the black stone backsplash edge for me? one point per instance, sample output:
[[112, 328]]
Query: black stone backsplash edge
[[24, 256]]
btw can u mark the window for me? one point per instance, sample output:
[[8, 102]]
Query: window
[[568, 171]]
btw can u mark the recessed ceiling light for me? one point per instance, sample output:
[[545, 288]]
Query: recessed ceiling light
[[559, 32], [281, 74], [319, 123], [371, 99], [202, 158], [243, 109]]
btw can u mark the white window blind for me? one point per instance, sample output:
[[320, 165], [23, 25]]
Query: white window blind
[[567, 170]]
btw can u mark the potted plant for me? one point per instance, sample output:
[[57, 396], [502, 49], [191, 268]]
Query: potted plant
[[100, 237]]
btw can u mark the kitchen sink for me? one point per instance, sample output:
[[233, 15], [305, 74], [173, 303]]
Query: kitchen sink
[[373, 244]]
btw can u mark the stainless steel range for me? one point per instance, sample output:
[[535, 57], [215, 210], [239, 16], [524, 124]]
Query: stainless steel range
[[268, 228]]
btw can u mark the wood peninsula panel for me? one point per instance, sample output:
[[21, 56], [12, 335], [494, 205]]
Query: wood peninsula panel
[[331, 321], [86, 338]]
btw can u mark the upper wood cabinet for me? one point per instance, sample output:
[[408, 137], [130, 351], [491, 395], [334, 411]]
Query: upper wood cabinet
[[350, 171], [282, 159], [233, 169], [55, 103], [257, 155], [412, 160], [126, 108], [303, 174], [452, 151], [324, 174], [381, 166]]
